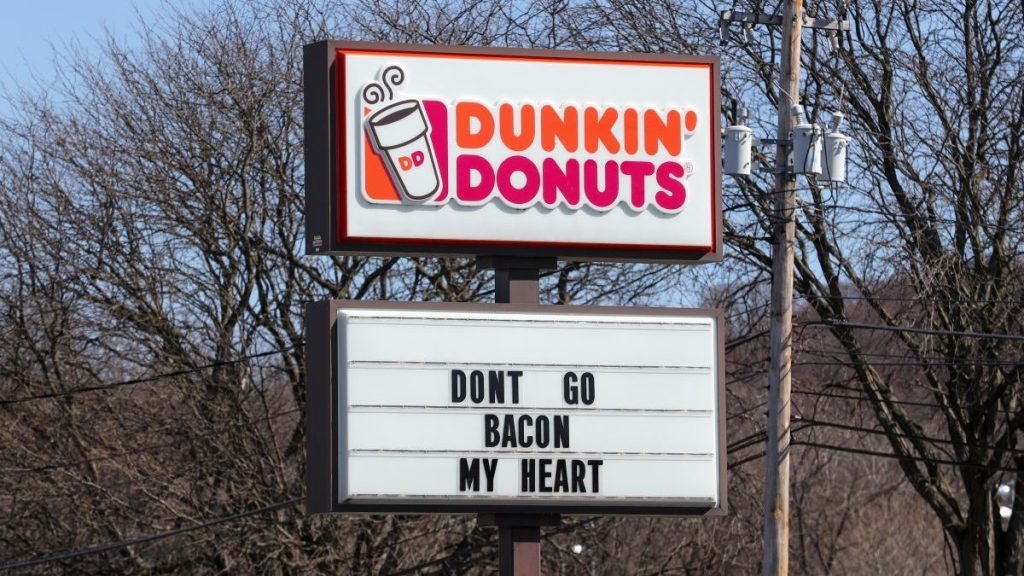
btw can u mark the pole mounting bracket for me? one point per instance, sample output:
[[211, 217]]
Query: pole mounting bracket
[[776, 20]]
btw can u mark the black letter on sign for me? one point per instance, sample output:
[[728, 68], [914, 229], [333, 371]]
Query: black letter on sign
[[476, 386], [469, 474], [491, 437], [458, 385], [490, 467], [514, 375], [561, 431], [524, 440], [579, 472], [545, 474], [528, 466], [541, 431], [569, 390], [496, 384], [587, 388], [561, 476], [595, 469], [508, 432]]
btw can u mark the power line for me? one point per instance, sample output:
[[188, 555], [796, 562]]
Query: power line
[[896, 218], [167, 551], [918, 299], [144, 380], [914, 330], [147, 449], [865, 452], [908, 364], [918, 360], [875, 431], [744, 339], [866, 399], [759, 405], [78, 552], [751, 440], [179, 472], [743, 461], [157, 377]]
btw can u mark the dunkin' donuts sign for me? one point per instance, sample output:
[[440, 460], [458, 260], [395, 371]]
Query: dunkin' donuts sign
[[586, 156]]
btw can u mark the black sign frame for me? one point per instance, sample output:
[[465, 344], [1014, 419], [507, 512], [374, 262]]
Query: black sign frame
[[322, 404]]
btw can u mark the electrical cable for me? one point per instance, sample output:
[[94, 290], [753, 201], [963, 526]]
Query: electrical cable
[[906, 356], [743, 461], [157, 377], [745, 339], [851, 428], [143, 380], [894, 218], [757, 406], [148, 449], [866, 452], [866, 399], [920, 299], [908, 364], [751, 441], [747, 442], [78, 552], [915, 330]]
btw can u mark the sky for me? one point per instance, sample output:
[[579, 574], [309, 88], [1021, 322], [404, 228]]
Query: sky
[[32, 30]]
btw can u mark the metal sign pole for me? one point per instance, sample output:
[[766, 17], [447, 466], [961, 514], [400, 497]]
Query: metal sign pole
[[519, 540], [517, 281]]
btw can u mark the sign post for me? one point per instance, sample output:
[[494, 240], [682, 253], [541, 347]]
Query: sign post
[[514, 411], [517, 281]]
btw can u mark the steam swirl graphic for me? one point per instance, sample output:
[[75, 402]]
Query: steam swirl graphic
[[373, 93], [377, 92]]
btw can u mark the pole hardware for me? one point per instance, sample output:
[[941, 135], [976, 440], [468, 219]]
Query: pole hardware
[[814, 150], [749, 19]]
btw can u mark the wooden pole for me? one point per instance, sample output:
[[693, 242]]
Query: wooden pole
[[776, 496]]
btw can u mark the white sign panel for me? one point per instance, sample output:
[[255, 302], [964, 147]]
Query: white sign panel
[[577, 153], [539, 408]]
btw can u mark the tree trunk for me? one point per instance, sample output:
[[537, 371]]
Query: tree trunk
[[977, 540]]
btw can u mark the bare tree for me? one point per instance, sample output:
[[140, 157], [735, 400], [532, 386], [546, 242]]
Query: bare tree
[[152, 286], [925, 238]]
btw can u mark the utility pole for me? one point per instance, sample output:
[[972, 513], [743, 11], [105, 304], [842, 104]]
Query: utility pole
[[802, 140], [776, 495]]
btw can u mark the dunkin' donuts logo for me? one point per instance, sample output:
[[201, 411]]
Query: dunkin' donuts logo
[[522, 153]]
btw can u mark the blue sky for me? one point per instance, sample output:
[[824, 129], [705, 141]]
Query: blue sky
[[31, 30]]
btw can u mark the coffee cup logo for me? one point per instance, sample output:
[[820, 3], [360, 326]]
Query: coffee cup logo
[[399, 133], [429, 151]]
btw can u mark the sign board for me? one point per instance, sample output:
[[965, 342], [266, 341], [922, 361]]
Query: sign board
[[461, 407], [429, 150]]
